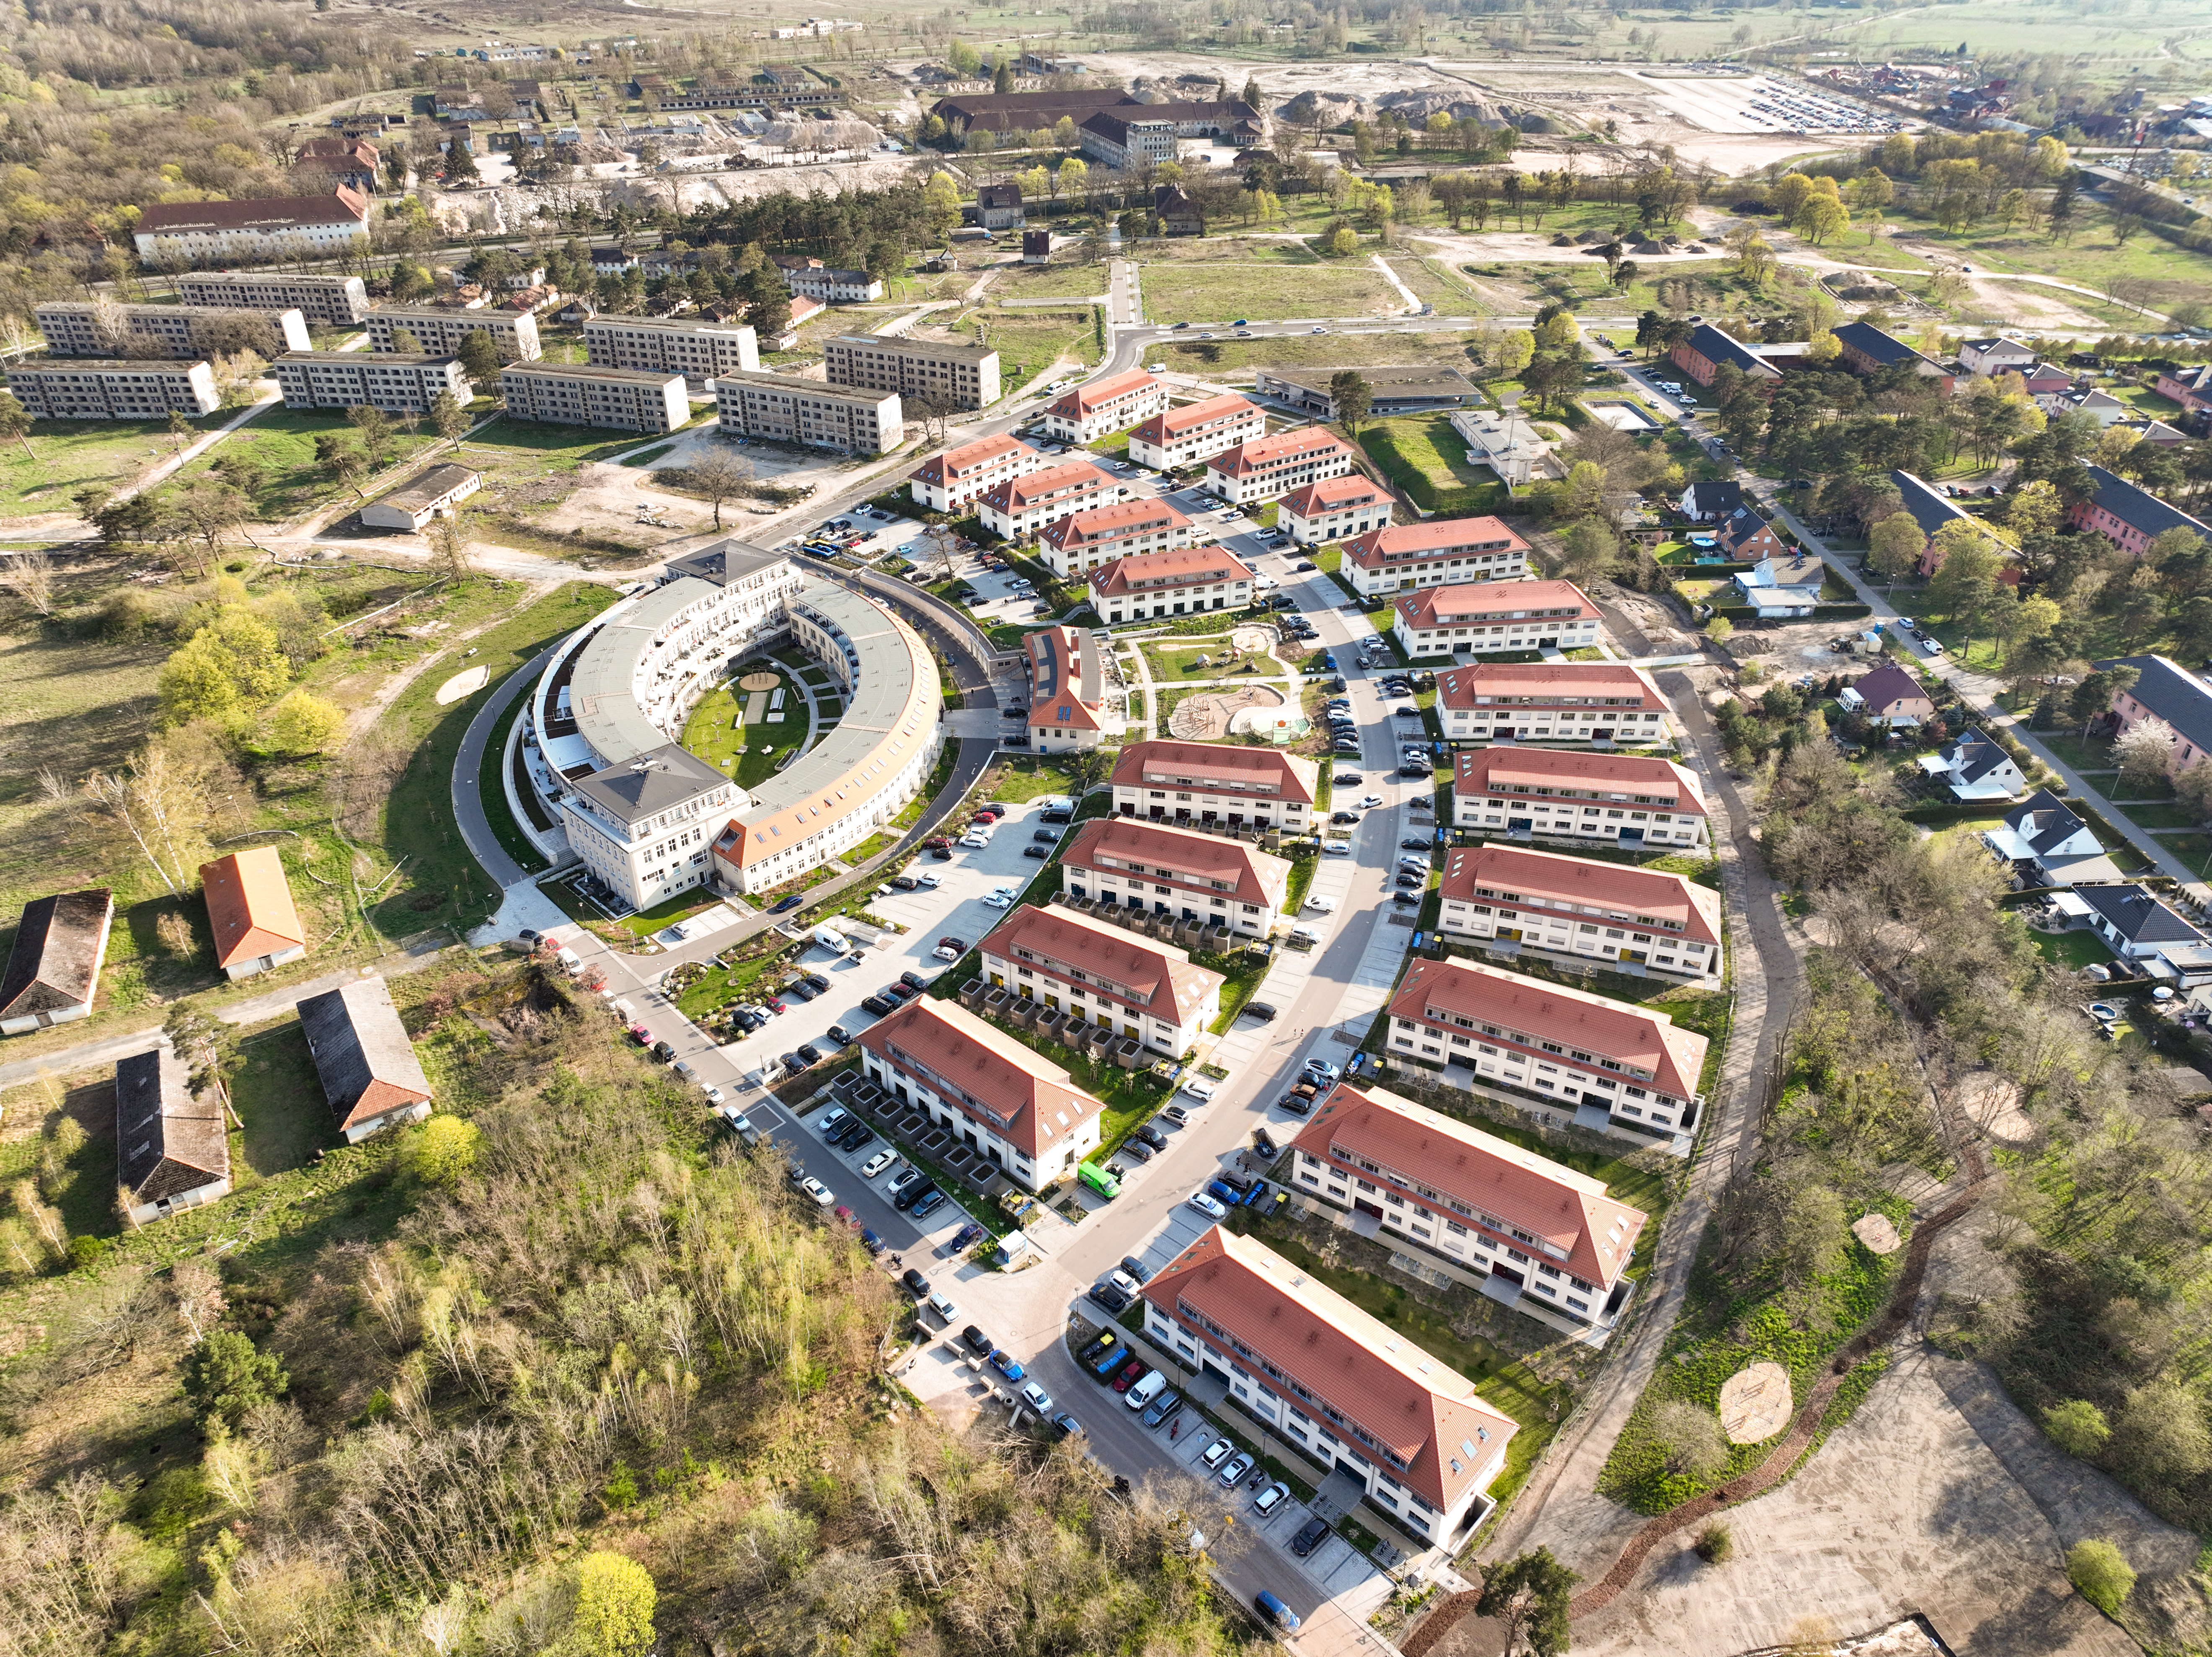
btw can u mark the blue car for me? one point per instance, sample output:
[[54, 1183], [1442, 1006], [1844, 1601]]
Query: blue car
[[1276, 1612], [791, 902], [1004, 1365], [1227, 1195]]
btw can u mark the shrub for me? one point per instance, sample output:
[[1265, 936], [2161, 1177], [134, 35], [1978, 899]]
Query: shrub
[[2077, 1427], [1716, 1543], [2102, 1574]]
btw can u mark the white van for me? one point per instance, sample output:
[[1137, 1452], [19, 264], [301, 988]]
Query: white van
[[571, 963], [1146, 1390]]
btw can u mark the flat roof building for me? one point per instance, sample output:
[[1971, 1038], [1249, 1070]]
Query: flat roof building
[[86, 388], [956, 375], [1494, 616], [251, 911], [689, 346], [1184, 873], [80, 328], [334, 301], [368, 1066], [989, 1091], [1180, 782], [1517, 899], [1602, 702], [1390, 390], [570, 394], [784, 409], [1636, 800], [1439, 552], [439, 331], [1112, 979], [398, 382]]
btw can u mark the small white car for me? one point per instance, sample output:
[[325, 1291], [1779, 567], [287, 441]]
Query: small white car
[[1205, 1205], [877, 1163], [822, 1196], [996, 901], [1321, 905], [1216, 1452], [1322, 1070], [1271, 1498], [1199, 1088], [928, 882], [942, 1305], [1337, 849], [1036, 1398], [714, 1094]]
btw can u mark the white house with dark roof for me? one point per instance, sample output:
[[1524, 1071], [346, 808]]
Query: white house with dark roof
[[1709, 498], [1888, 696], [1974, 768], [1986, 358], [1350, 1391], [1786, 585], [2136, 924], [2047, 844]]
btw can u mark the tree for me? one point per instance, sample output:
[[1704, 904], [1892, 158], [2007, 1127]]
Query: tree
[[447, 418], [480, 359], [1002, 77], [377, 433], [1820, 217], [446, 1150], [30, 577], [303, 723], [1718, 629], [225, 1376], [1589, 550], [16, 422], [1353, 396], [615, 1600], [1691, 1434], [1823, 349], [2101, 1573], [1964, 556], [1894, 545], [2034, 509], [232, 660], [449, 546], [940, 204], [1558, 332], [2144, 750], [1528, 1596], [161, 806], [1343, 240], [2077, 1426], [718, 476]]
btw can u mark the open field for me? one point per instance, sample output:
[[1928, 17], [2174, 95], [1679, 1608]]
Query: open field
[[1187, 354], [1426, 457], [1061, 280], [282, 442], [1220, 291], [65, 456]]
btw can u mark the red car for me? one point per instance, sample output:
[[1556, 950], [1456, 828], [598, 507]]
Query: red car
[[641, 1035], [991, 813], [775, 1005], [1126, 1376], [949, 943], [900, 991], [939, 844]]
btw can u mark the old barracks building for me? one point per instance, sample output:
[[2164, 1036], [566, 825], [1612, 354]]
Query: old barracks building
[[1474, 1208], [1644, 918], [1625, 799], [1605, 702], [1614, 1067], [988, 1091], [1137, 864], [1168, 782], [1349, 1391]]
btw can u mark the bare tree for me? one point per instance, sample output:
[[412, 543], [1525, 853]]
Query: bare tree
[[718, 476], [30, 577], [449, 547]]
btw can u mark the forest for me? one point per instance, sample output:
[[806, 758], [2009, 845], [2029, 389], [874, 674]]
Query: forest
[[599, 1382]]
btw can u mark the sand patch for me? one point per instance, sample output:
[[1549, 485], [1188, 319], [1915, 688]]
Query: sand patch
[[466, 682], [1755, 1403]]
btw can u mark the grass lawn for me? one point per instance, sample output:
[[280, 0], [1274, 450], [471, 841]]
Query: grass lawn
[[2193, 846], [1018, 780], [2072, 950], [2081, 753], [2143, 397], [282, 441], [715, 730], [1430, 283], [1061, 280], [65, 456], [1029, 342], [1220, 290], [1427, 459], [1169, 663], [1187, 354], [2160, 816], [491, 791]]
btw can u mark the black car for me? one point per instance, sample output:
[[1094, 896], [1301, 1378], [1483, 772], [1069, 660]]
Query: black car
[[916, 1284], [1046, 836], [801, 988], [879, 1005], [914, 980], [1344, 816], [791, 902], [1296, 1103], [1308, 1537], [1010, 713], [913, 1194], [1042, 855], [747, 1022], [858, 1134], [1261, 1010], [1106, 1295], [1411, 880], [1135, 1268], [1057, 816], [905, 883], [1349, 779], [1336, 684], [943, 854], [1151, 1135], [1264, 1143], [1416, 771], [810, 1052], [1413, 846], [1405, 900], [1136, 1148], [819, 982], [981, 1343], [790, 1061], [841, 1035]]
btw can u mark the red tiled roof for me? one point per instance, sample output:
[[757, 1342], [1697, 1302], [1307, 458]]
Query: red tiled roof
[[1055, 681], [1039, 488], [1147, 764], [1648, 1039], [1399, 1394], [1613, 891], [1254, 876], [1227, 408], [269, 215], [1176, 566], [1888, 685], [1281, 449], [1158, 978], [250, 906], [956, 463], [1486, 683], [1424, 540], [1087, 400], [1334, 493], [1593, 1236], [1493, 601], [1113, 522], [1020, 1093], [1643, 777]]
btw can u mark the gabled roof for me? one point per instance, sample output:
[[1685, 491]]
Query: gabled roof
[[1740, 527], [1970, 757], [361, 1052], [1113, 522], [1930, 507], [1332, 494], [1279, 448], [1434, 535], [1870, 341], [1225, 409], [270, 215], [54, 964], [1157, 977], [1177, 567], [1713, 496], [1251, 875], [2137, 916], [1484, 683], [2138, 508], [2044, 823], [1718, 347], [1889, 684], [1493, 601], [250, 905], [1087, 400], [167, 1142], [1641, 778], [1509, 874], [1042, 486], [1794, 569], [1263, 772], [2170, 690], [1024, 1097], [1399, 1395]]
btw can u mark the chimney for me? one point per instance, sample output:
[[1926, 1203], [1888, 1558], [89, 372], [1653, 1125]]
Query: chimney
[[1092, 682]]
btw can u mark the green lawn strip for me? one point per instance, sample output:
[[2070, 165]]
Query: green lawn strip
[[418, 818], [1169, 663], [65, 457], [2159, 815], [644, 923], [761, 956], [2081, 754], [911, 812], [2071, 950], [1219, 291], [491, 794], [1241, 974], [282, 441], [1019, 780], [1715, 1338]]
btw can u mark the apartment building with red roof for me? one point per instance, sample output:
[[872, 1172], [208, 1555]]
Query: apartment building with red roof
[[1163, 781], [1268, 466], [1182, 582], [1135, 863], [1017, 507], [289, 226], [1334, 509], [948, 481], [1527, 1232], [251, 911], [1089, 412], [986, 1089], [1602, 702], [1616, 1067], [1349, 1391], [1490, 615], [1441, 552], [1568, 794], [1646, 919], [1094, 538], [1094, 970], [1070, 705], [1196, 431]]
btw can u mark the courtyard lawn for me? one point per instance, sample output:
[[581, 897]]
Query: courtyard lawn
[[1423, 455], [1172, 663], [716, 729], [1019, 780]]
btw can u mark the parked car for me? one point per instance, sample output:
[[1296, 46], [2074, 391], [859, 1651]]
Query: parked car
[[1237, 1467], [1215, 1454], [1103, 1293], [902, 1182], [1261, 1010], [877, 1163], [928, 1203], [916, 1284], [1161, 1408], [791, 902], [1126, 1376], [1135, 1268], [810, 1052], [976, 1341], [822, 1195], [1271, 1498], [1281, 1615], [1205, 1205]]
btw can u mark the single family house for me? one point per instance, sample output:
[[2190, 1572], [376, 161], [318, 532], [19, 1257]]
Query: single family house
[[1975, 768], [1786, 586], [2047, 844], [1888, 696]]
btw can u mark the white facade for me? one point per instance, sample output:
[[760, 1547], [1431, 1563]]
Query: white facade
[[84, 388], [789, 410], [336, 301], [1196, 432], [439, 332], [626, 400], [947, 482], [696, 349]]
